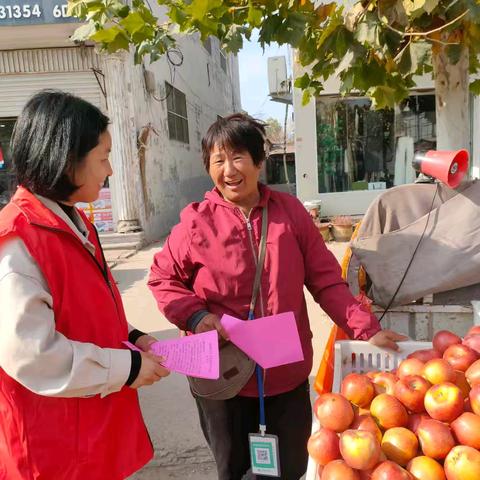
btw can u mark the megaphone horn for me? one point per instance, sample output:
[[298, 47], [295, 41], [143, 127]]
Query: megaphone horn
[[448, 166]]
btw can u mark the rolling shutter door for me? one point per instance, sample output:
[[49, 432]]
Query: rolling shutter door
[[25, 72]]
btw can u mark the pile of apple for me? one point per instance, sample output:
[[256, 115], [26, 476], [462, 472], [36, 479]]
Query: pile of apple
[[421, 421]]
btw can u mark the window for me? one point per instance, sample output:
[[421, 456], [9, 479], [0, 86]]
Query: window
[[363, 149], [207, 45], [223, 60], [177, 114], [7, 186]]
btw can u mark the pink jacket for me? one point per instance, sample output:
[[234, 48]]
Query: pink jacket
[[207, 263]]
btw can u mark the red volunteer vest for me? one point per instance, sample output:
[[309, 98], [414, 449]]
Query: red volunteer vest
[[48, 438]]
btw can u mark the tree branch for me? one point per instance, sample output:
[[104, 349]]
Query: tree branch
[[399, 54], [422, 34]]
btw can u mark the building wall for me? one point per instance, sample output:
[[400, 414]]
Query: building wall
[[166, 174], [172, 172]]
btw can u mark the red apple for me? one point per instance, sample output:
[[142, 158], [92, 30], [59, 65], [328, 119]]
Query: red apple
[[365, 474], [425, 468], [460, 357], [438, 370], [323, 446], [367, 423], [414, 421], [388, 411], [411, 390], [444, 402], [443, 339], [466, 429], [474, 397], [463, 463], [333, 411], [472, 340], [462, 384], [360, 449], [425, 355], [358, 389], [473, 330], [358, 411], [410, 366], [384, 382], [399, 445], [339, 470], [473, 373], [435, 438], [390, 471]]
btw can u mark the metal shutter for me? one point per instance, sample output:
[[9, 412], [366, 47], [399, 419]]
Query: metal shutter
[[25, 72]]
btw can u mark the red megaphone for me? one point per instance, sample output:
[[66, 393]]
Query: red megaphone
[[448, 166]]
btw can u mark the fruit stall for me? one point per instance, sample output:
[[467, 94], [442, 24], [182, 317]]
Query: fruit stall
[[412, 414]]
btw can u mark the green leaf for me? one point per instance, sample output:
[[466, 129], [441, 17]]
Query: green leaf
[[392, 12], [307, 95], [475, 87], [177, 15], [431, 5], [107, 35], [124, 11], [346, 85], [454, 52], [414, 57], [254, 16], [120, 42], [303, 82], [367, 74], [199, 8], [233, 39], [367, 31], [382, 97], [133, 23], [269, 28], [413, 6]]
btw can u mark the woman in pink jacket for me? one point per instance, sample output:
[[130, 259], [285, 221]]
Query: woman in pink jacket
[[207, 269]]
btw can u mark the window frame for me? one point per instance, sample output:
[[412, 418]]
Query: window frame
[[223, 60], [177, 114]]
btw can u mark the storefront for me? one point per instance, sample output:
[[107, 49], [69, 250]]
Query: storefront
[[25, 72], [348, 153], [363, 149], [54, 63]]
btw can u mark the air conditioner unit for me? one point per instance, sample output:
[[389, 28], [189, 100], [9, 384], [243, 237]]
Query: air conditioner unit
[[278, 81]]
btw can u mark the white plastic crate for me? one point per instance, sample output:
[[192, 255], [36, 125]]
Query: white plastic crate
[[353, 356]]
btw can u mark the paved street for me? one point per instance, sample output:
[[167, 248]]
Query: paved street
[[169, 410]]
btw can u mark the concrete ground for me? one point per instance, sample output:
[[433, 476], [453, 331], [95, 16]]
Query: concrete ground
[[168, 408]]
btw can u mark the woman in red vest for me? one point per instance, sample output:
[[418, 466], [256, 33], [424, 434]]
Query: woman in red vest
[[68, 402]]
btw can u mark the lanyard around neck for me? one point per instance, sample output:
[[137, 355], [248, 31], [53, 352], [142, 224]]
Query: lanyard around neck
[[256, 288]]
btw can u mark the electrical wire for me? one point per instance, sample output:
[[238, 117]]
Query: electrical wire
[[413, 255], [172, 65]]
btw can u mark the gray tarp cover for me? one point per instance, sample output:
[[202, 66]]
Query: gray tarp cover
[[448, 256]]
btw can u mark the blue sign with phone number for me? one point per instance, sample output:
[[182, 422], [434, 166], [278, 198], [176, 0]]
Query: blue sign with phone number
[[36, 12]]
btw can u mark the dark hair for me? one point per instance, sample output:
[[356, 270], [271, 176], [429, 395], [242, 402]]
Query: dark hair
[[238, 131], [52, 135]]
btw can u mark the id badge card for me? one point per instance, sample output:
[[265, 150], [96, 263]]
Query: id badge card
[[264, 454]]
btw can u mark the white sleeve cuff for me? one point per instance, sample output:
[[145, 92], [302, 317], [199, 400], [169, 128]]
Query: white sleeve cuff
[[119, 370]]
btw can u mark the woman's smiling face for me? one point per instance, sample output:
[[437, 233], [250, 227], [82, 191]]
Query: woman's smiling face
[[91, 173], [235, 175]]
